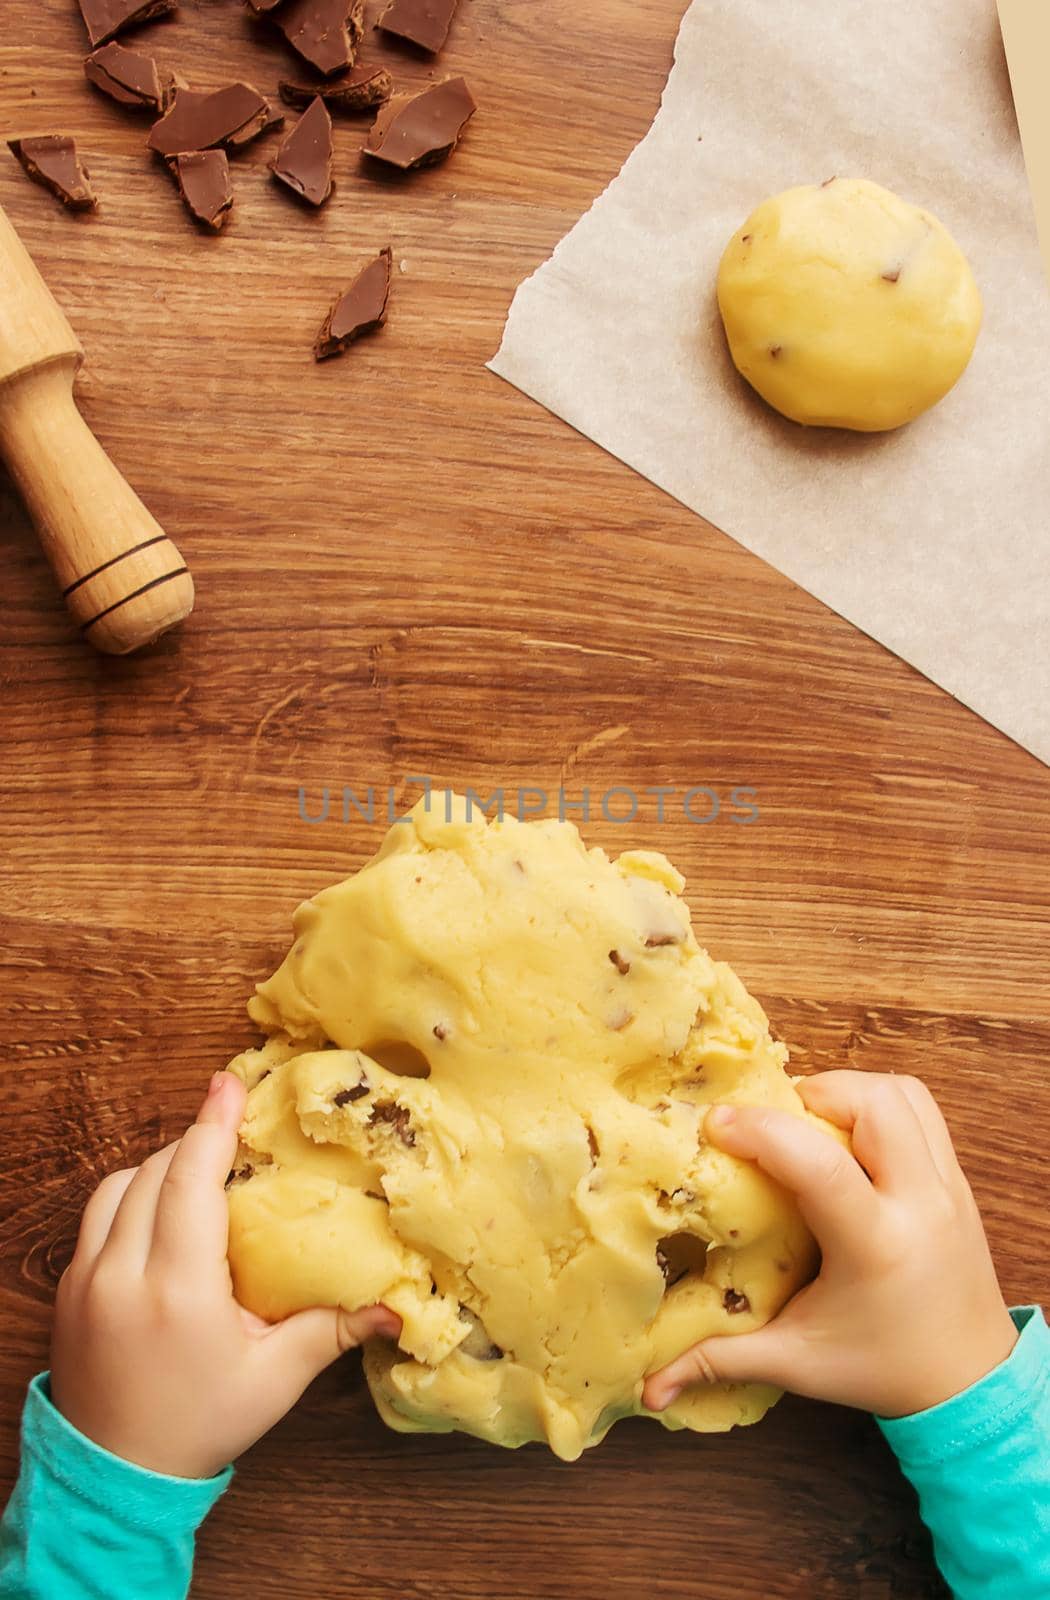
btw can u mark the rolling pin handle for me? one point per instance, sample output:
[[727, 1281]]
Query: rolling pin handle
[[123, 580]]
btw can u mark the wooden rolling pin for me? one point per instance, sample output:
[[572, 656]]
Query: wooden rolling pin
[[120, 575]]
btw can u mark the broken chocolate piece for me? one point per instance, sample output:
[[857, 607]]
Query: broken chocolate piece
[[656, 941], [361, 309], [130, 78], [304, 160], [440, 1031], [51, 160], [199, 120], [397, 1116], [104, 19], [203, 177], [326, 33], [622, 965], [735, 1302], [417, 130], [362, 89], [346, 1097], [891, 277], [422, 22]]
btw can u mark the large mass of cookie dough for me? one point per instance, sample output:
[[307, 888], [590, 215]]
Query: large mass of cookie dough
[[481, 1102], [847, 307]]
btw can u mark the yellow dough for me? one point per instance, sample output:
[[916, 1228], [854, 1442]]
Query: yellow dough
[[847, 307], [481, 1102]]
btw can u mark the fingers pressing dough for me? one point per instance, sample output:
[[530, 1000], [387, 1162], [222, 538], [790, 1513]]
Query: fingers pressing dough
[[481, 1101]]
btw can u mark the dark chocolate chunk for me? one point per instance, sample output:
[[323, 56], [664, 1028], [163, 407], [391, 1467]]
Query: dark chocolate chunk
[[735, 1302], [51, 159], [398, 1118], [622, 965], [324, 32], [304, 160], [656, 941], [203, 177], [346, 1097], [440, 1031], [238, 1175], [360, 309], [892, 276], [129, 77], [418, 129], [360, 90], [423, 22], [104, 19], [198, 120]]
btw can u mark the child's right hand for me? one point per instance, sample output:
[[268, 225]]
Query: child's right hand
[[906, 1311], [151, 1356]]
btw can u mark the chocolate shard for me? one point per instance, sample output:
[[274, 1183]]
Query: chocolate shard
[[304, 160], [360, 90], [51, 160], [326, 33], [199, 120], [416, 130], [359, 309], [203, 177], [396, 1117], [423, 22], [129, 77], [104, 19], [346, 1097]]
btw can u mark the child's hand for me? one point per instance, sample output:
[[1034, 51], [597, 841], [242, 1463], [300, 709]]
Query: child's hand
[[151, 1356], [906, 1310]]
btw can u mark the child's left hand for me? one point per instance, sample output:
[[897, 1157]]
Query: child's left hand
[[151, 1355]]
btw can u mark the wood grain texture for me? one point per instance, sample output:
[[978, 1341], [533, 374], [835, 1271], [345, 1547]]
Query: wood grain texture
[[403, 566]]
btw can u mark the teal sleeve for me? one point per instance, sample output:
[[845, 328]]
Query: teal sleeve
[[82, 1524], [981, 1465]]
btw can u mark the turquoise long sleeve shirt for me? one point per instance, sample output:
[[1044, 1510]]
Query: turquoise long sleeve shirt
[[981, 1465], [84, 1525]]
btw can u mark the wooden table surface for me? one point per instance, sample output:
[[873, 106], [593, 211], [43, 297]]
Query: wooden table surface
[[405, 567]]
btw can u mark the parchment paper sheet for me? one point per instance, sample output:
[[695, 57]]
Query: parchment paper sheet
[[934, 539]]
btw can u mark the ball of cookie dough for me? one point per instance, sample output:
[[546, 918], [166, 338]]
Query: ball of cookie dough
[[847, 307], [481, 1101]]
